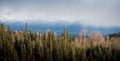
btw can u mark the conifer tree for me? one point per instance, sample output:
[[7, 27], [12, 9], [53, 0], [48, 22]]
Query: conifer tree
[[26, 46], [23, 52]]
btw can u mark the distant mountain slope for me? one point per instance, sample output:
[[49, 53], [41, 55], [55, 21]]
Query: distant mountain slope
[[73, 29], [114, 35]]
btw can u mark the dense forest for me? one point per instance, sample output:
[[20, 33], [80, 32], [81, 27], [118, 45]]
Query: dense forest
[[27, 46]]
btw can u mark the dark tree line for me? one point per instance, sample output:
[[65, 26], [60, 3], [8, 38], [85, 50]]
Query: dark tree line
[[26, 46]]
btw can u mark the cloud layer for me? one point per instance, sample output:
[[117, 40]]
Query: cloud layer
[[99, 13]]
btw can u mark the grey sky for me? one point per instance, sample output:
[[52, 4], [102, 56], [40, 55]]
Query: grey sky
[[99, 13]]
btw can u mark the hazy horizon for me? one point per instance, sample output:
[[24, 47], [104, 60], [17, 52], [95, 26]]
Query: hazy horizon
[[100, 15]]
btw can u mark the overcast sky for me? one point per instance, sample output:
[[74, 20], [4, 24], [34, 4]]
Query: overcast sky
[[98, 13]]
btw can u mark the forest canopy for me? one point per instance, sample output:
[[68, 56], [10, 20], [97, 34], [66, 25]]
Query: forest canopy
[[27, 46]]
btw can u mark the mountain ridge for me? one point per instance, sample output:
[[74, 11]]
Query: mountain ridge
[[73, 29]]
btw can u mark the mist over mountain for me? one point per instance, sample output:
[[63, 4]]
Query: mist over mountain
[[73, 28], [102, 15]]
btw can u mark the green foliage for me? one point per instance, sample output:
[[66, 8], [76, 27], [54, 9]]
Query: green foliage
[[26, 46]]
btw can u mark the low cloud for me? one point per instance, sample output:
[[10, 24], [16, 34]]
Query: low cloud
[[98, 13]]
